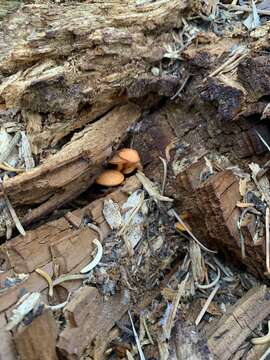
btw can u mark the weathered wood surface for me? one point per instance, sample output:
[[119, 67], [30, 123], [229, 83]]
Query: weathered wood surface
[[65, 175], [56, 247], [226, 336], [186, 343], [83, 57], [73, 168], [63, 66], [38, 340], [89, 317]]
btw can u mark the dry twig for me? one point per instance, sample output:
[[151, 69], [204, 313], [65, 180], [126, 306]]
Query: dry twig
[[207, 303], [142, 357], [191, 234]]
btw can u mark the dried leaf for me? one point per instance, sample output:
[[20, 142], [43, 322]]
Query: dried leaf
[[112, 214], [151, 188]]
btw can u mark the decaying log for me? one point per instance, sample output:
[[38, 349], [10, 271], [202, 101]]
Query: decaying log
[[76, 64], [7, 349], [57, 248], [186, 343], [193, 130], [83, 56], [73, 169], [225, 337], [89, 316], [7, 6], [38, 339]]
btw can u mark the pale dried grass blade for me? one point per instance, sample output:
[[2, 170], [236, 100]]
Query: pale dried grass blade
[[263, 339], [61, 305], [47, 277], [267, 240], [142, 357], [15, 217], [207, 303], [7, 167], [147, 331], [265, 355], [165, 171], [191, 234], [26, 152], [167, 327], [150, 187], [69, 277], [96, 259]]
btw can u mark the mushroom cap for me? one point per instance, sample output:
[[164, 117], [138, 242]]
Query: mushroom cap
[[129, 155], [110, 178], [116, 159], [129, 168]]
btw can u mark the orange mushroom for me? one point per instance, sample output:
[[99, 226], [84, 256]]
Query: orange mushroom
[[132, 160], [129, 168], [129, 155], [110, 178], [116, 160]]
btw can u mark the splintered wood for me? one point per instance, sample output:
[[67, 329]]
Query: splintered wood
[[74, 168], [38, 340], [225, 337], [58, 248], [91, 315], [81, 79]]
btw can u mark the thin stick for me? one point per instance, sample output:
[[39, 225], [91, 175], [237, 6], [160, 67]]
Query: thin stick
[[181, 87], [147, 331], [262, 140], [142, 357], [165, 171], [191, 234], [207, 303], [267, 242]]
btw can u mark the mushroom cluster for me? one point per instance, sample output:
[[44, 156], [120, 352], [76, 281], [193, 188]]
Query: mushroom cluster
[[125, 162]]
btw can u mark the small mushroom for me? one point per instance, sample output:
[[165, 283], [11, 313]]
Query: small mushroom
[[129, 155], [132, 160], [116, 160], [129, 168], [110, 178]]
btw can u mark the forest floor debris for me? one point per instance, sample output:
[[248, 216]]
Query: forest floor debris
[[128, 265]]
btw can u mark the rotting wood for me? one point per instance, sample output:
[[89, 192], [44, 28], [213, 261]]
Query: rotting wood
[[225, 337], [52, 247], [61, 69], [210, 199], [73, 169], [7, 348], [89, 316], [186, 343], [38, 339]]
